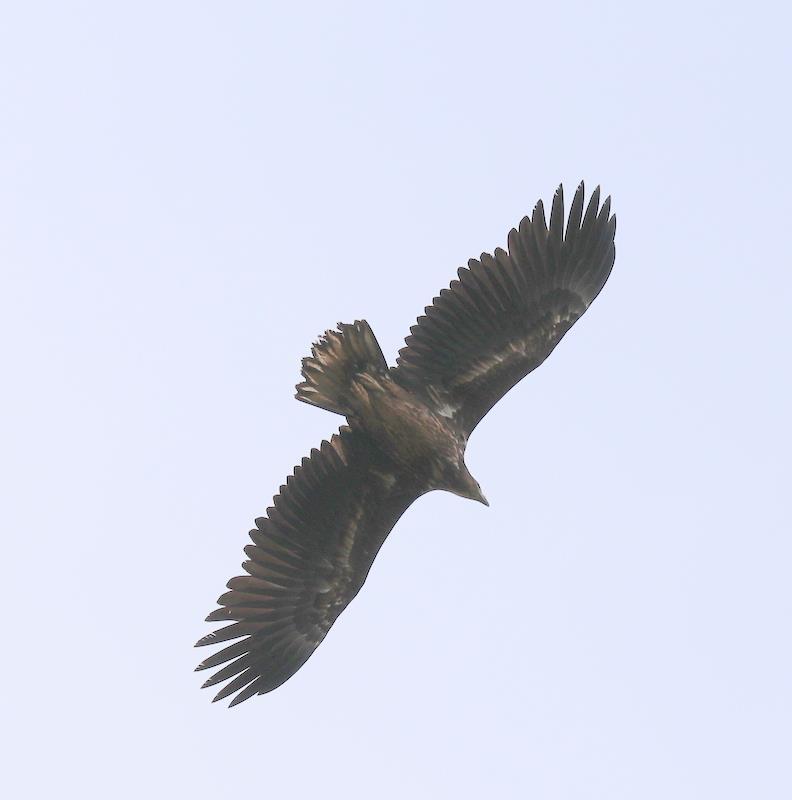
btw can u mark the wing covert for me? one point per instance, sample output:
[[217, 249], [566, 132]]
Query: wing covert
[[309, 557], [506, 312]]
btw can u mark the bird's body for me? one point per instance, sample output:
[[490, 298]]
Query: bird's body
[[407, 430], [410, 431], [404, 425]]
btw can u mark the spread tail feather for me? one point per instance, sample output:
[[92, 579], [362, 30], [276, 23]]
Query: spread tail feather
[[334, 362]]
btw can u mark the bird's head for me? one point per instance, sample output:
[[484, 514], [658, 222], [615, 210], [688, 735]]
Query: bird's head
[[457, 479]]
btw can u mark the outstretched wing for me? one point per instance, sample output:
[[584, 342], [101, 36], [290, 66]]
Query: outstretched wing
[[310, 556], [507, 312]]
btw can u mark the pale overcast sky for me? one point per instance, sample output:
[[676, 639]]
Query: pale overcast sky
[[191, 192]]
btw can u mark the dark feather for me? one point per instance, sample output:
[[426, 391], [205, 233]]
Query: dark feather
[[506, 313], [310, 557]]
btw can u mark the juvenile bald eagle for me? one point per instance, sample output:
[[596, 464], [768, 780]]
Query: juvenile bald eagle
[[407, 430]]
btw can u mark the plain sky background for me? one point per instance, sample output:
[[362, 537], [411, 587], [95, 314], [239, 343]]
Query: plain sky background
[[191, 192]]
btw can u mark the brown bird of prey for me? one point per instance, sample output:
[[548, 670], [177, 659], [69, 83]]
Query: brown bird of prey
[[407, 430]]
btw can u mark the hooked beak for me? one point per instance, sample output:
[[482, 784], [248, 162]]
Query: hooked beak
[[472, 490]]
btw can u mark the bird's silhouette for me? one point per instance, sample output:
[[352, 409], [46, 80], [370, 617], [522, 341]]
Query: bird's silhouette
[[407, 430]]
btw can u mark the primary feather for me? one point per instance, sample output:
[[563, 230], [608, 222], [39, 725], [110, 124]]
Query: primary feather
[[309, 558], [507, 312]]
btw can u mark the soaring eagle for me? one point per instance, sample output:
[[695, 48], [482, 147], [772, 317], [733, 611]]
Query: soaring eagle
[[407, 430]]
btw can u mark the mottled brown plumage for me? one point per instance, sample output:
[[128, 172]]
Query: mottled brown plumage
[[407, 431]]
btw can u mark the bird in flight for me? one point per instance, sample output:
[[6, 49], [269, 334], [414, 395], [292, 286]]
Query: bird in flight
[[407, 430]]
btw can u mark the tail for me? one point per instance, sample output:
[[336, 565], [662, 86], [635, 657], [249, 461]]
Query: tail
[[334, 362]]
